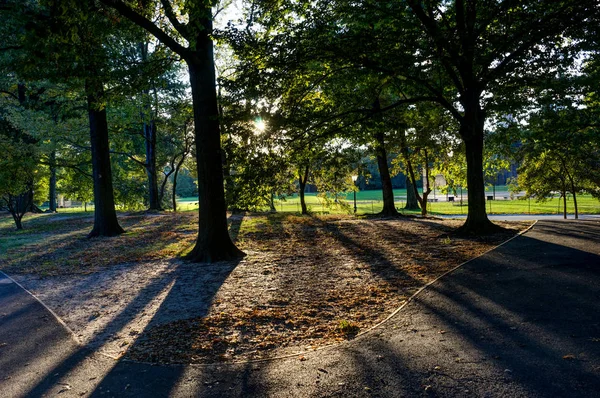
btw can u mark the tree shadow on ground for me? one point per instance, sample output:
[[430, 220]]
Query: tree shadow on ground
[[526, 308], [172, 289], [523, 320]]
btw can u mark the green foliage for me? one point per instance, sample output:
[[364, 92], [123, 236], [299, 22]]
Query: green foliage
[[18, 164], [347, 328], [186, 185]]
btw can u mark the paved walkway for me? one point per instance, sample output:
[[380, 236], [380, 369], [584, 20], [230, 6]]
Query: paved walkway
[[521, 321]]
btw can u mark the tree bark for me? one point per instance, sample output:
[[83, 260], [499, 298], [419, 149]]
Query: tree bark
[[426, 189], [302, 179], [213, 243], [471, 131], [389, 207], [105, 215], [572, 183], [52, 190], [176, 173], [18, 223], [411, 198], [17, 216], [18, 205]]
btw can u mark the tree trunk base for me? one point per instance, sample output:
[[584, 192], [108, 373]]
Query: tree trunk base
[[478, 228], [388, 213], [35, 210], [109, 232], [212, 254]]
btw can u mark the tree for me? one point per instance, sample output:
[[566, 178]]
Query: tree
[[559, 150], [472, 57], [142, 108], [66, 38], [213, 242], [18, 166]]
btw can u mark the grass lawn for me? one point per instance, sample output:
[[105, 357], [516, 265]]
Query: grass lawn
[[369, 202]]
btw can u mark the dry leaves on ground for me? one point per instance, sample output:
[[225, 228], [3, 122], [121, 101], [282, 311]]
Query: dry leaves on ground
[[310, 282]]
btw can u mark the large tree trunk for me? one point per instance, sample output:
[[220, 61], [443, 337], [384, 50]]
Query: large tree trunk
[[24, 201], [18, 222], [471, 131], [272, 203], [572, 183], [411, 198], [410, 176], [105, 216], [213, 243], [564, 195], [302, 179], [389, 207], [52, 190]]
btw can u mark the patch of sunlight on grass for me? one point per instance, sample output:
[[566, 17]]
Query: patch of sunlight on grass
[[178, 248]]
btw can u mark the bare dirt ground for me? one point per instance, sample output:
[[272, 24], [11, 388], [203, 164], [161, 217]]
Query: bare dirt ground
[[306, 282]]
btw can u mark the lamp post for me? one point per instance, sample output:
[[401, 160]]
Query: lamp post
[[354, 178]]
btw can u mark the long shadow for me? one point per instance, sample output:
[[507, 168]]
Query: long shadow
[[150, 381], [379, 262], [62, 246], [584, 231], [527, 314], [487, 305], [19, 350], [508, 288], [481, 305]]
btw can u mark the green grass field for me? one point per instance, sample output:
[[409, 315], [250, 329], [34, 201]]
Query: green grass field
[[368, 202]]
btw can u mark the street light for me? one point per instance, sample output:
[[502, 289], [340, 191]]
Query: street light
[[354, 178]]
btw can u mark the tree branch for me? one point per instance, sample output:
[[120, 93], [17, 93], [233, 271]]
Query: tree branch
[[146, 24], [130, 156], [442, 44], [10, 94], [180, 27]]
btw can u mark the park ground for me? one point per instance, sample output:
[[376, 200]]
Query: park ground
[[519, 321], [307, 281]]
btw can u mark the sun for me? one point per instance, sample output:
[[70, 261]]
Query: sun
[[259, 125]]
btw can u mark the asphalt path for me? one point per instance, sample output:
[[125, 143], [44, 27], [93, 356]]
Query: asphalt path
[[521, 321]]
